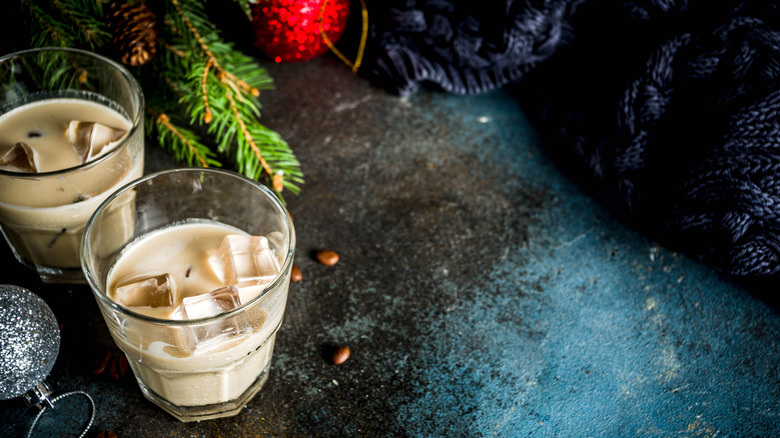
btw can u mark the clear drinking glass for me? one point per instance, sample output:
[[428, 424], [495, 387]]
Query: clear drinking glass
[[189, 382], [42, 215]]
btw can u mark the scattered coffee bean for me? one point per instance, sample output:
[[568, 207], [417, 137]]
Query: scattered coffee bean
[[296, 275], [327, 257], [115, 364], [102, 364], [340, 355], [106, 434], [119, 367]]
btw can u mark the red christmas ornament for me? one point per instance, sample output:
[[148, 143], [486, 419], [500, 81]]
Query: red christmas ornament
[[291, 30]]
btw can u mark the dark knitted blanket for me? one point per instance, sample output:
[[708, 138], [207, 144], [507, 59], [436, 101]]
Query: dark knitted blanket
[[667, 111]]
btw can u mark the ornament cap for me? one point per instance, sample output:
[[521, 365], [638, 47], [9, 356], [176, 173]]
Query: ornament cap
[[39, 396]]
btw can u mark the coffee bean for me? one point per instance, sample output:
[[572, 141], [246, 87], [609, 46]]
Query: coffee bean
[[327, 257], [102, 364], [296, 275], [340, 355]]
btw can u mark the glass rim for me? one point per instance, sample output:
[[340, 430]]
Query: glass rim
[[103, 298], [136, 121]]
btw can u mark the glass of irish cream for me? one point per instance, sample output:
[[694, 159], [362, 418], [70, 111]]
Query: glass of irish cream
[[71, 132], [192, 285]]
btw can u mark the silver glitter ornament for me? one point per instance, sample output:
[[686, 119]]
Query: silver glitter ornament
[[29, 341]]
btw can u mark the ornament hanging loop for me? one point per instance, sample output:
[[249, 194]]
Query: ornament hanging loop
[[51, 406], [363, 37]]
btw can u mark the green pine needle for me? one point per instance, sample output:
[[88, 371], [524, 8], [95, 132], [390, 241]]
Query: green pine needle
[[200, 129]]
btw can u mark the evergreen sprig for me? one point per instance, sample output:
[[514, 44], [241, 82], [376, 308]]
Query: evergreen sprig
[[201, 92]]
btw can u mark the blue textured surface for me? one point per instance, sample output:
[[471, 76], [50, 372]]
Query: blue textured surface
[[480, 291]]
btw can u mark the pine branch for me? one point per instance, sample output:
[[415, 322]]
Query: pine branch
[[67, 23], [46, 29], [226, 100], [201, 92], [82, 13], [184, 143]]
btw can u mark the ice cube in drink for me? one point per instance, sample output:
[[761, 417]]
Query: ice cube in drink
[[20, 158], [211, 303], [219, 334], [247, 262], [243, 258], [92, 139], [147, 291]]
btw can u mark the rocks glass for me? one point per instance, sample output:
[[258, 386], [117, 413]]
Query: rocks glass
[[44, 208], [195, 361]]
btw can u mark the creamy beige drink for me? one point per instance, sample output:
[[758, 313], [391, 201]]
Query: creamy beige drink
[[196, 271], [194, 290], [43, 206]]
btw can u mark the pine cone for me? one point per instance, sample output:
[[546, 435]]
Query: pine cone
[[134, 26]]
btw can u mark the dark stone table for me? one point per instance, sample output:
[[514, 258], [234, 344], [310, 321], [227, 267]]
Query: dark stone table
[[480, 291]]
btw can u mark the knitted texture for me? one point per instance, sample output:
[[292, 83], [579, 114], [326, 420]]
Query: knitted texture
[[667, 111], [462, 47]]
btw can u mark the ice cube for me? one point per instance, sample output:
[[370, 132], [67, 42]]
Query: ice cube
[[219, 335], [244, 259], [213, 335], [247, 291], [90, 138], [21, 156], [153, 291], [210, 304], [276, 239]]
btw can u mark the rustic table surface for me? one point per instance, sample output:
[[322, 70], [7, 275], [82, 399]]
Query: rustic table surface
[[480, 291]]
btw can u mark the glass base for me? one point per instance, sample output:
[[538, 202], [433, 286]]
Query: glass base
[[207, 412], [51, 275], [61, 275], [47, 274]]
